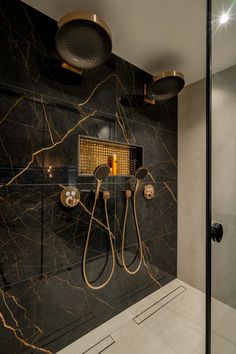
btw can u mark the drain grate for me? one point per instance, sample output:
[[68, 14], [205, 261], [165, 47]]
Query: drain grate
[[151, 310], [100, 346]]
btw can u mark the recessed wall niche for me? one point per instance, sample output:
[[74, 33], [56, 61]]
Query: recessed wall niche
[[93, 152]]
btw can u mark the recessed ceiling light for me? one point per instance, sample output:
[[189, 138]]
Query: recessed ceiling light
[[224, 18]]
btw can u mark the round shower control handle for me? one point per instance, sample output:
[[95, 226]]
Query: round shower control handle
[[149, 191], [70, 197], [216, 232]]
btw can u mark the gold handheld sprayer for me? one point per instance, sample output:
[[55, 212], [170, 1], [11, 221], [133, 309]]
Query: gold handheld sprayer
[[139, 175], [100, 173]]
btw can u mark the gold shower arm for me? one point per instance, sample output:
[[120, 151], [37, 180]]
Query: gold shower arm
[[67, 66], [146, 99]]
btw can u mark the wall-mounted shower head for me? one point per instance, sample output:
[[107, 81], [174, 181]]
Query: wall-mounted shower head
[[164, 86], [141, 173], [101, 172], [83, 40]]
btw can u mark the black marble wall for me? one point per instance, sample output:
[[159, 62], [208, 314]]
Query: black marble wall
[[44, 302]]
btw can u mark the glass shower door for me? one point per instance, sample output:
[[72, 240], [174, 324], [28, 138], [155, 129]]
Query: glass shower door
[[223, 113]]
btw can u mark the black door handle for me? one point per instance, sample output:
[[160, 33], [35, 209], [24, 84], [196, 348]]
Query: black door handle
[[216, 232]]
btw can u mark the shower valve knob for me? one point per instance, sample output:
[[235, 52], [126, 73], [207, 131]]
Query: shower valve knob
[[70, 197], [149, 191]]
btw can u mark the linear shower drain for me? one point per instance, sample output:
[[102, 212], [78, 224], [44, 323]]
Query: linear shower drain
[[151, 310]]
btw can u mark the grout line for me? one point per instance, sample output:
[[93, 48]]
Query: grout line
[[67, 105], [135, 319], [102, 350]]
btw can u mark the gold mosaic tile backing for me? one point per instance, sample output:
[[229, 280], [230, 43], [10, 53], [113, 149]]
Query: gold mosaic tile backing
[[96, 152]]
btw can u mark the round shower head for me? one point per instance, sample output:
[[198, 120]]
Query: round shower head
[[165, 85], [83, 40], [101, 172], [141, 173]]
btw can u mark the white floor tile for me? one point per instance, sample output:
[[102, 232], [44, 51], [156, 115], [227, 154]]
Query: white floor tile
[[135, 339], [177, 327], [181, 335], [223, 326], [221, 345]]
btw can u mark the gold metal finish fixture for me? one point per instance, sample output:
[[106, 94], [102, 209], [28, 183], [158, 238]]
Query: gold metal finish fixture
[[128, 193], [149, 191], [83, 40], [140, 174], [146, 99], [164, 74], [70, 197], [67, 66], [164, 86], [96, 152], [79, 15], [100, 173]]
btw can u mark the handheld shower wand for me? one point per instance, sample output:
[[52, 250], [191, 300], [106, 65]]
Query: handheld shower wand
[[100, 173], [139, 175]]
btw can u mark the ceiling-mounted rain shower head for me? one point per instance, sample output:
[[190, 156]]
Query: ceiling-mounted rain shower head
[[164, 86], [101, 172], [83, 40], [141, 173]]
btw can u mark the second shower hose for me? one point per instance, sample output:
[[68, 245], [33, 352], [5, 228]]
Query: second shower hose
[[100, 173]]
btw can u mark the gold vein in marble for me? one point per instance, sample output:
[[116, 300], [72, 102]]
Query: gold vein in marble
[[11, 109], [21, 307], [122, 126], [17, 329], [11, 313], [21, 340], [61, 140], [95, 219], [27, 210], [171, 158], [171, 192], [8, 156], [151, 176], [50, 147], [121, 121], [160, 164], [145, 251], [95, 89], [47, 121]]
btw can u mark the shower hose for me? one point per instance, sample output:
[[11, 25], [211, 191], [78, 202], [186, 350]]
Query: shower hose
[[88, 239], [128, 195]]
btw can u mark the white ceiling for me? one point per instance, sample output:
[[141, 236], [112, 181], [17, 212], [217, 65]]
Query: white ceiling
[[155, 35]]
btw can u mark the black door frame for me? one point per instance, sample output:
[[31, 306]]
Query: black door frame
[[208, 175]]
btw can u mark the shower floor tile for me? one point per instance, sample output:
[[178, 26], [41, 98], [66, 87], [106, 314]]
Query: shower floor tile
[[175, 326]]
